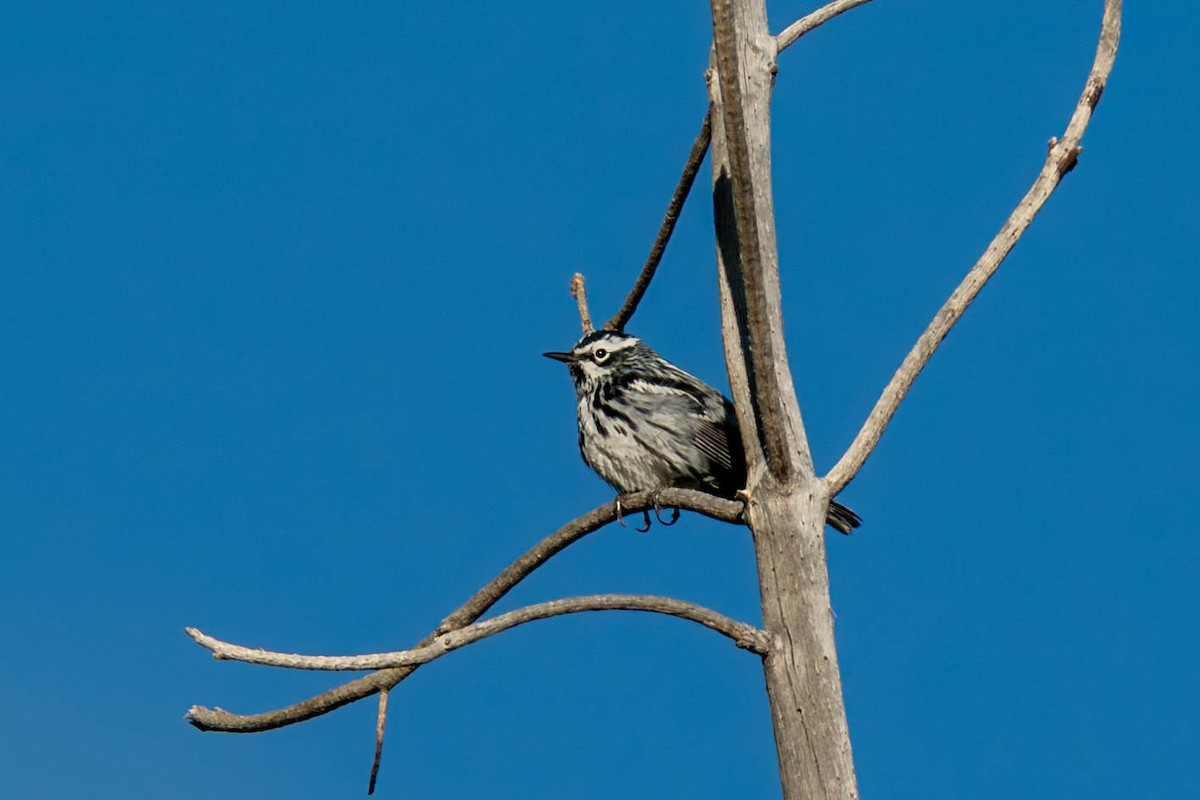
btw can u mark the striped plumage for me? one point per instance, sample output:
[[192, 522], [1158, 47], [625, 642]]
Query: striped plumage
[[645, 424]]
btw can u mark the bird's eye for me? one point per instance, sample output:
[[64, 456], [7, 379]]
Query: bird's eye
[[600, 355]]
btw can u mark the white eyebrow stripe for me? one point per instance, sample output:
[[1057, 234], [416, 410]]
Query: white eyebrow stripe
[[611, 345]]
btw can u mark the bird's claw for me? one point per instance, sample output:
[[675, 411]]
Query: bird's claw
[[658, 513], [645, 526], [663, 522]]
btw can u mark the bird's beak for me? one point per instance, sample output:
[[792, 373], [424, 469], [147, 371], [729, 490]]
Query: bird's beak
[[566, 358]]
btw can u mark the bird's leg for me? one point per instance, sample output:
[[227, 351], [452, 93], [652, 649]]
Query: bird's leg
[[646, 522]]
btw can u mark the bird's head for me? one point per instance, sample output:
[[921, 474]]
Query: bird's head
[[599, 354]]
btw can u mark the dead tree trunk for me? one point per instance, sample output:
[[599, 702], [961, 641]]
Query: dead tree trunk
[[787, 501]]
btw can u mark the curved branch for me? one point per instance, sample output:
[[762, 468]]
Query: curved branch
[[746, 636], [674, 208], [788, 36], [217, 719], [686, 499], [1060, 160]]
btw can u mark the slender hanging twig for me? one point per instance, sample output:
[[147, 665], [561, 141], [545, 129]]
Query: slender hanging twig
[[380, 725]]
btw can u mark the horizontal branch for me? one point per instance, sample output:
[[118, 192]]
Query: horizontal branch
[[1060, 160], [788, 36], [746, 636], [216, 719]]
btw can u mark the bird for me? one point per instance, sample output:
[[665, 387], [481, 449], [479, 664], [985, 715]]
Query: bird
[[646, 425]]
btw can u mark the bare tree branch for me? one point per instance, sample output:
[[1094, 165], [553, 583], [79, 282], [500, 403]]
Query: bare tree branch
[[686, 499], [788, 36], [674, 208], [746, 636], [1060, 160], [579, 292], [751, 253], [217, 719]]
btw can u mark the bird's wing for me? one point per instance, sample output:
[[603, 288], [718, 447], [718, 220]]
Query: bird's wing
[[713, 440], [709, 414]]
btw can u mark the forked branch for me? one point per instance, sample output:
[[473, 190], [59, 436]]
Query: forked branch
[[216, 719], [745, 636], [1060, 160]]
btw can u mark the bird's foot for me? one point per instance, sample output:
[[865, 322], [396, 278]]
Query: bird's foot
[[619, 509], [658, 512]]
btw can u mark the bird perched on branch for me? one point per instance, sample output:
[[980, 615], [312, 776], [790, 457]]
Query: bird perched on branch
[[646, 425]]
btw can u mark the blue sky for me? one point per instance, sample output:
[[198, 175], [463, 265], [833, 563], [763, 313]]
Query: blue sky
[[274, 284]]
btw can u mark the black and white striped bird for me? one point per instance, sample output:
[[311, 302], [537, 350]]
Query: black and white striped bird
[[645, 424]]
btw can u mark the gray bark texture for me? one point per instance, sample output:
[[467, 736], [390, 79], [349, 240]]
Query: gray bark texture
[[787, 502]]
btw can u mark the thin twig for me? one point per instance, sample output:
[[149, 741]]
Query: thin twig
[[579, 292], [380, 726], [746, 636], [791, 33], [217, 719], [674, 208], [1059, 161]]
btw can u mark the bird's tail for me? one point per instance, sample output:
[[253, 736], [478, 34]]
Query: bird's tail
[[841, 518]]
